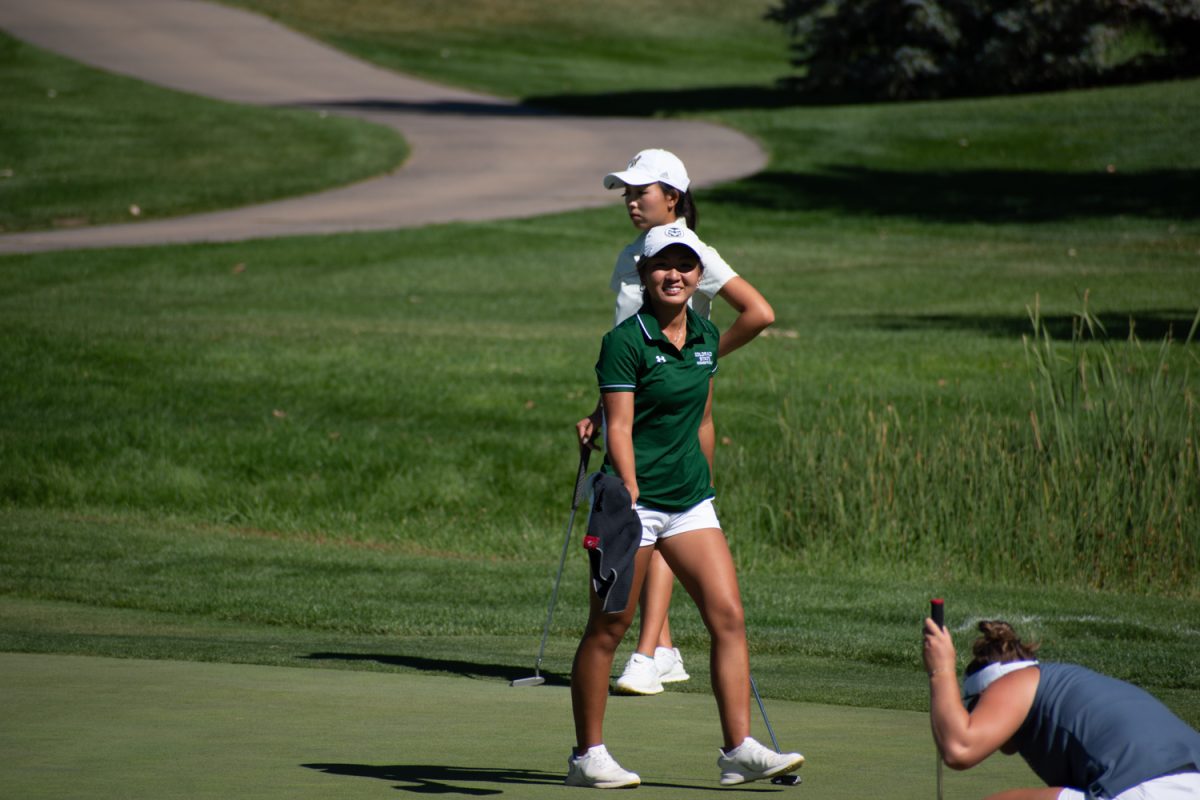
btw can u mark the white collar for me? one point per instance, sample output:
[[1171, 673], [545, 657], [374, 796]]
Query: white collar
[[975, 683]]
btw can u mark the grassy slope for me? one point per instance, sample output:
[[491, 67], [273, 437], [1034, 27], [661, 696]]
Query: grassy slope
[[529, 48], [145, 437], [363, 386], [909, 307], [83, 146], [413, 455]]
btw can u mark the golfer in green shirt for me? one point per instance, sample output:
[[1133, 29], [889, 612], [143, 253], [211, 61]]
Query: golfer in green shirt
[[655, 373]]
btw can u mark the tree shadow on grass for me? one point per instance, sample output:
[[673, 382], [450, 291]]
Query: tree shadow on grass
[[440, 779], [466, 108], [972, 195], [646, 103], [1146, 326], [649, 102], [467, 669], [785, 93]]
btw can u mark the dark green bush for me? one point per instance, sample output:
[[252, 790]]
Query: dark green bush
[[900, 49]]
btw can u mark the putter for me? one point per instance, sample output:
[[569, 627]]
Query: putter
[[585, 454], [937, 612], [779, 780]]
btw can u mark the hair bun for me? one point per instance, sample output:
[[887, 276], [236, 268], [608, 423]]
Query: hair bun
[[997, 630], [999, 644]]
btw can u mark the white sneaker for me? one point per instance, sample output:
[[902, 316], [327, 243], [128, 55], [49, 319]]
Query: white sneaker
[[640, 676], [598, 770], [750, 761], [670, 665]]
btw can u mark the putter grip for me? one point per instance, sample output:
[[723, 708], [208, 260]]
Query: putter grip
[[937, 612]]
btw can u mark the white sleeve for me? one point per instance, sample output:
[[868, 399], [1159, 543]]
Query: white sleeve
[[716, 273], [627, 285], [629, 300]]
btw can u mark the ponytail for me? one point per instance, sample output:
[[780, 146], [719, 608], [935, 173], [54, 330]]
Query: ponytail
[[685, 205], [687, 210]]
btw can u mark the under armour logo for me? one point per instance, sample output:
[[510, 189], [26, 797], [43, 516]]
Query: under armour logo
[[660, 359]]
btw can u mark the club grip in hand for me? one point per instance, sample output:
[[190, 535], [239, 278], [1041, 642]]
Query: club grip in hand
[[937, 612], [585, 455]]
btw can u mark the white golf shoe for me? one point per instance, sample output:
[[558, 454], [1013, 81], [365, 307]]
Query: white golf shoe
[[750, 761], [670, 665], [596, 769], [640, 676]]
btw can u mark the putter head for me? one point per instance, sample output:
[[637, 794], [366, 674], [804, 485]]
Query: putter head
[[536, 680], [786, 780]]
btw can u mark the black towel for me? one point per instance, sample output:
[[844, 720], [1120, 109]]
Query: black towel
[[614, 535]]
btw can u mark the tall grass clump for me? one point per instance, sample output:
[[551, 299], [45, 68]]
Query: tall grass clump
[[1117, 453], [1099, 487]]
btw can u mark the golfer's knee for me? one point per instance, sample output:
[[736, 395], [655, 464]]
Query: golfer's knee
[[727, 620], [607, 635]]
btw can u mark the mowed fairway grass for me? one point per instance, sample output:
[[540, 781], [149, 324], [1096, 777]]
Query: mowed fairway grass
[[84, 147], [353, 454]]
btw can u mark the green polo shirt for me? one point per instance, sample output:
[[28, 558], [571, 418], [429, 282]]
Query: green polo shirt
[[670, 389]]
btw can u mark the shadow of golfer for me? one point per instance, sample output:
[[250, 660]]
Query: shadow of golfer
[[435, 779], [467, 669], [438, 779]]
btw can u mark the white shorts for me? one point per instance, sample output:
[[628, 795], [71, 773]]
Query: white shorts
[[1180, 786], [658, 524]]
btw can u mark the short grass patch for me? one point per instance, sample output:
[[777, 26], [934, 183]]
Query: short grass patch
[[154, 729]]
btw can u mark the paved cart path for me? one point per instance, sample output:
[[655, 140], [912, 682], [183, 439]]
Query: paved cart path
[[474, 157]]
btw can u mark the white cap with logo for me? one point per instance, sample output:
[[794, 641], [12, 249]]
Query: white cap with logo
[[651, 166], [664, 236]]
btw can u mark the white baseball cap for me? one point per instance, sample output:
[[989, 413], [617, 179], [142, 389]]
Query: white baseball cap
[[651, 166], [664, 236]]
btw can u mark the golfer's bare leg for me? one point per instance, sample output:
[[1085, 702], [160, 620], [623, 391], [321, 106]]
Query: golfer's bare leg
[[701, 561], [593, 659], [664, 634], [656, 602]]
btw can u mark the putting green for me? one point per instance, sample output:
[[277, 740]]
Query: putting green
[[99, 727]]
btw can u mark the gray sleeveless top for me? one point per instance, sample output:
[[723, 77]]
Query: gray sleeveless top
[[1100, 735]]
